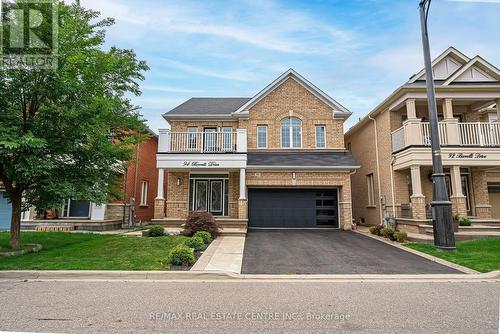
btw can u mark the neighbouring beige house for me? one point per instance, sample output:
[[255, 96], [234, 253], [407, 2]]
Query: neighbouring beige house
[[276, 159], [392, 145]]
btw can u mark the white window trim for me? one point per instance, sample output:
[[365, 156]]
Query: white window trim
[[144, 193], [265, 144], [316, 135], [370, 180], [290, 130]]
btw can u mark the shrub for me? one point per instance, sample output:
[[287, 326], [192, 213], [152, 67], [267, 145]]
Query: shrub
[[400, 236], [376, 229], [464, 221], [200, 221], [429, 222], [156, 231], [391, 235], [207, 238], [196, 243], [385, 232], [182, 256]]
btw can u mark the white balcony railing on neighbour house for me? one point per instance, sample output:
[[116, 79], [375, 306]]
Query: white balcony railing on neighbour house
[[479, 134], [202, 142], [465, 134]]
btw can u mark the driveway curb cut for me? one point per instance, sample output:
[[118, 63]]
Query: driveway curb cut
[[421, 254]]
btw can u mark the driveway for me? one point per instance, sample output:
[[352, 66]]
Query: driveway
[[329, 252]]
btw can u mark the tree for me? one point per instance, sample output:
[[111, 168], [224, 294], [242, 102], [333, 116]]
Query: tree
[[66, 132]]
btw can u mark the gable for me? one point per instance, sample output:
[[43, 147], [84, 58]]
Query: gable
[[476, 70], [443, 69], [474, 74]]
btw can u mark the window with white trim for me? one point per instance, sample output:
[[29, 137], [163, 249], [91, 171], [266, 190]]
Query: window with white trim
[[227, 139], [144, 193], [371, 189], [320, 136], [192, 138], [291, 132], [261, 136]]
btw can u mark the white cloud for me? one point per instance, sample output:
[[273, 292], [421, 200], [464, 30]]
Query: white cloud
[[168, 89], [477, 1]]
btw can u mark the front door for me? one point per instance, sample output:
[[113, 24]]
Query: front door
[[466, 192], [209, 196]]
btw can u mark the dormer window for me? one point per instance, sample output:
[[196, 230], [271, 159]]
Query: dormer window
[[291, 132]]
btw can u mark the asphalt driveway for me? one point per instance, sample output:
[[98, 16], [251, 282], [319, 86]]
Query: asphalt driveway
[[329, 252]]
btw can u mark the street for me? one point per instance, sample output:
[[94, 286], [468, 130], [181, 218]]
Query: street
[[239, 306]]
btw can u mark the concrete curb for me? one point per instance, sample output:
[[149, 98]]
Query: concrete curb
[[421, 254], [158, 276]]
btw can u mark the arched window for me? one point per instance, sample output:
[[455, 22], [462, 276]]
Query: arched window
[[291, 132]]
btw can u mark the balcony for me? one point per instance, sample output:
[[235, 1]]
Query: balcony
[[203, 142], [450, 133]]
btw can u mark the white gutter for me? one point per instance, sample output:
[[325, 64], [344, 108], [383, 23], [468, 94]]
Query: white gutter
[[392, 189], [378, 167]]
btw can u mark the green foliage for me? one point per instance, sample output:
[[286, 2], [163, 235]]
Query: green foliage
[[464, 221], [182, 256], [156, 231], [376, 229], [429, 222], [385, 232], [400, 236], [69, 132], [207, 238], [196, 243]]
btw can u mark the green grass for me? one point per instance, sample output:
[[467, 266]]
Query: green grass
[[86, 251], [482, 255]]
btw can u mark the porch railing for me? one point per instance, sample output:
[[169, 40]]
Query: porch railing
[[202, 142]]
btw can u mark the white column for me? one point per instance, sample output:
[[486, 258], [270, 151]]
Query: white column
[[447, 109], [243, 195], [456, 181], [241, 140], [416, 182], [411, 110], [161, 175]]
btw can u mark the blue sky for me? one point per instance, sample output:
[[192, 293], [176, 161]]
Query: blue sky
[[357, 51]]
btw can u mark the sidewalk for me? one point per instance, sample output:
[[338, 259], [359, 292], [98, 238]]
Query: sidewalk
[[224, 254]]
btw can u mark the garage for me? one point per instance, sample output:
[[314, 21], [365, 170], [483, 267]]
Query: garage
[[5, 212], [293, 208]]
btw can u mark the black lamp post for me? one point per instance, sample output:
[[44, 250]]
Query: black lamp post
[[442, 220]]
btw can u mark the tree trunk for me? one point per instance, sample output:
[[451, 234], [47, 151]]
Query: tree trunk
[[15, 226]]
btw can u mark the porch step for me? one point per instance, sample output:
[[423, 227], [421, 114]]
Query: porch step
[[427, 229], [486, 222]]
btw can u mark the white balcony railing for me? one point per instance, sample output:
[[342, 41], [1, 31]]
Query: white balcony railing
[[464, 134], [479, 134], [202, 142]]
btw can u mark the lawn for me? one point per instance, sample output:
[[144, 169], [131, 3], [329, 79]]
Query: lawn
[[482, 255], [85, 251]]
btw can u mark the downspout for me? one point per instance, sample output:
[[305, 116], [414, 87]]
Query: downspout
[[378, 168], [136, 180], [392, 189], [350, 189]]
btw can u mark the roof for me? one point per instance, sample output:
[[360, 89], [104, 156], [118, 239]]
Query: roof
[[452, 70], [338, 109], [223, 106], [327, 159]]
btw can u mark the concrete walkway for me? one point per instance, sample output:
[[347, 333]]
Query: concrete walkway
[[224, 254]]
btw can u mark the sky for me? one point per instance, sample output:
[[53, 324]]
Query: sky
[[357, 51]]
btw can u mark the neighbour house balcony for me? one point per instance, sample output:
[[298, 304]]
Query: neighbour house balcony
[[451, 133], [203, 142]]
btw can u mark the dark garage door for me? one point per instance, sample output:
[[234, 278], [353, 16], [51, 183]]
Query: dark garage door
[[292, 208]]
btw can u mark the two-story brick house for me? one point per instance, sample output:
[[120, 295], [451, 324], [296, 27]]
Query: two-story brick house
[[392, 145], [273, 160]]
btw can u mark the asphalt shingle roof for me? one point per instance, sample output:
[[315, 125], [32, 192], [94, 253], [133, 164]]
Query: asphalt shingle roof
[[320, 159], [209, 106]]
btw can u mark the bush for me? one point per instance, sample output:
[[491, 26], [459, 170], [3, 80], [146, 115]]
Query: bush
[[400, 236], [156, 231], [464, 221], [200, 221], [207, 238], [429, 222], [385, 232], [196, 243], [182, 256], [376, 229], [391, 235]]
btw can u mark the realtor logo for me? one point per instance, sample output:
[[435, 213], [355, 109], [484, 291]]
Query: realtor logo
[[28, 34]]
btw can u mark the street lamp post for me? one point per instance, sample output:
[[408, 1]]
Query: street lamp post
[[442, 221]]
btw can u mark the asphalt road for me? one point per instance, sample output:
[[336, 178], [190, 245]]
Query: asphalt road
[[329, 252], [249, 307]]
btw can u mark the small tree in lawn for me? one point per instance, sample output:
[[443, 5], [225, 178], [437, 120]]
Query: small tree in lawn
[[65, 133]]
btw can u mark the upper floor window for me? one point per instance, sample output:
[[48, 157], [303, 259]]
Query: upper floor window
[[320, 136], [227, 139], [291, 132], [261, 136], [144, 193], [192, 138]]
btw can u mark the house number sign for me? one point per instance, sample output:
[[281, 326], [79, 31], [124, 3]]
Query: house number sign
[[200, 164], [467, 156]]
